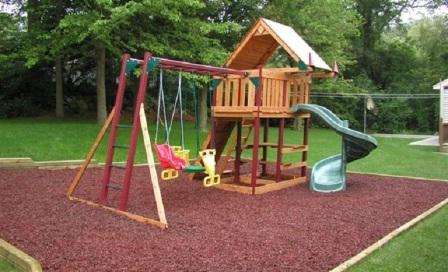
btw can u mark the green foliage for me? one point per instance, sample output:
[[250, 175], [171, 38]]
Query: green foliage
[[328, 25], [376, 52]]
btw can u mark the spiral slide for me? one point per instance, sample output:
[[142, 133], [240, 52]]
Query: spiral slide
[[329, 174]]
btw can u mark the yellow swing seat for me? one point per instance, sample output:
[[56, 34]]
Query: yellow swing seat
[[169, 174], [208, 158]]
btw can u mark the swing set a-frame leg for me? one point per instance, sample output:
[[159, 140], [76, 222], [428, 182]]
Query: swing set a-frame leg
[[90, 155], [162, 222], [151, 165]]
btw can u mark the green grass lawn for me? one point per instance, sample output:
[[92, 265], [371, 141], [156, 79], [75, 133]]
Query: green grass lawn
[[6, 267], [423, 248]]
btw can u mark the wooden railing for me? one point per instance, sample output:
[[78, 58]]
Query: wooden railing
[[239, 94]]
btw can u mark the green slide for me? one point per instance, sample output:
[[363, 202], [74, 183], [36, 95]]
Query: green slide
[[328, 175]]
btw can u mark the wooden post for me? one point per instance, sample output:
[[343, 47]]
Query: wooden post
[[305, 143], [238, 152], [256, 142], [265, 147], [151, 165], [278, 163]]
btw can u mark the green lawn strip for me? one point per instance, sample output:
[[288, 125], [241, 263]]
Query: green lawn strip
[[422, 248], [6, 267], [50, 139]]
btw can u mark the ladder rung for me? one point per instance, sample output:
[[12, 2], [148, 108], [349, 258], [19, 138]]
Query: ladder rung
[[120, 146], [114, 186], [294, 148], [125, 126], [285, 166]]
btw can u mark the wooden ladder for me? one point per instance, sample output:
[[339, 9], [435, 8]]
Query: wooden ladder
[[135, 131], [246, 130]]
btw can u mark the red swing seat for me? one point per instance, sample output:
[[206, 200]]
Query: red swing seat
[[168, 159]]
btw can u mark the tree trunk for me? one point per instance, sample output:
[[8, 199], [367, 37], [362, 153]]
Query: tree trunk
[[59, 88], [100, 52], [203, 109]]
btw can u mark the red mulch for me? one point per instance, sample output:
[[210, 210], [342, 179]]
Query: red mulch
[[210, 230]]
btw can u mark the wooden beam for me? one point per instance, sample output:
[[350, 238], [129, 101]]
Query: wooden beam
[[132, 216], [279, 185], [90, 154], [151, 165]]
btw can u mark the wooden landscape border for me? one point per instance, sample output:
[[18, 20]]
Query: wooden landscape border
[[18, 259], [378, 244]]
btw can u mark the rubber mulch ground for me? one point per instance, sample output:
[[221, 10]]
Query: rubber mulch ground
[[210, 230]]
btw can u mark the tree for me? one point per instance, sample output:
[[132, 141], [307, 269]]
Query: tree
[[327, 25], [377, 15]]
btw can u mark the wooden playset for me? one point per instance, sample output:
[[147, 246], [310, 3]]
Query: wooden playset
[[245, 96]]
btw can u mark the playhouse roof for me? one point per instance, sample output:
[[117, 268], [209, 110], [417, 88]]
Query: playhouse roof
[[264, 38]]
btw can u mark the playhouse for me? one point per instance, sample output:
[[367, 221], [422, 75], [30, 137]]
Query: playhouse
[[245, 96]]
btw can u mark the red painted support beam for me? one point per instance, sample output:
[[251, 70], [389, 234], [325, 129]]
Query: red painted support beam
[[305, 142], [256, 128], [195, 68], [135, 132], [114, 128], [199, 68], [237, 165], [265, 148]]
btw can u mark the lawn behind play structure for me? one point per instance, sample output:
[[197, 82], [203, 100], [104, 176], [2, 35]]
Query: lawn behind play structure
[[420, 249], [49, 139]]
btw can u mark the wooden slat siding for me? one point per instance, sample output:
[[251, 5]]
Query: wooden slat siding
[[281, 100], [288, 94], [294, 92], [235, 86], [243, 92], [302, 91], [226, 93], [268, 92], [219, 94], [273, 92], [250, 94], [278, 94], [263, 95]]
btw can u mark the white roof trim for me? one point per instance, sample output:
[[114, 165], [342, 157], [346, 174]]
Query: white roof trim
[[441, 83], [297, 45]]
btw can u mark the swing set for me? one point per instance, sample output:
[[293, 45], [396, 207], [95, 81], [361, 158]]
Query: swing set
[[172, 158], [176, 158]]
